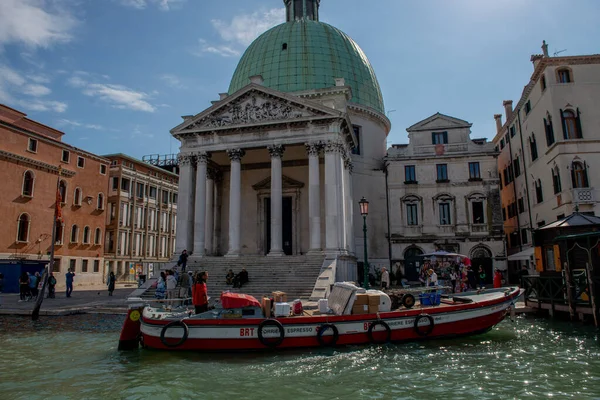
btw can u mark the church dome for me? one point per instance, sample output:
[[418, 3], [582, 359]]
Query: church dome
[[304, 54]]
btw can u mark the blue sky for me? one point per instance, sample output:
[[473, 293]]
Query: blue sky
[[116, 75]]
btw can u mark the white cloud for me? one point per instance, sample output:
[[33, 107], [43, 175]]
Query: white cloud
[[36, 90], [163, 5], [13, 86], [138, 134], [172, 81], [240, 32], [39, 78], [64, 122], [44, 105], [34, 23]]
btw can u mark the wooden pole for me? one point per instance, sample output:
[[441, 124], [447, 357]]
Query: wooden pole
[[568, 280], [589, 268]]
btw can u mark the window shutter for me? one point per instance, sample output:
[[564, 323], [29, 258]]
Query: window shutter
[[585, 175], [539, 265], [579, 131], [573, 175], [564, 127], [446, 133]]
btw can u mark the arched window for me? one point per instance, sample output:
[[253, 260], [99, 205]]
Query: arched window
[[97, 236], [77, 197], [549, 130], [533, 148], [564, 75], [579, 175], [412, 207], [74, 234], [556, 180], [28, 179], [539, 194], [62, 188], [86, 235], [58, 233], [445, 206], [481, 251], [23, 227], [571, 124], [100, 202]]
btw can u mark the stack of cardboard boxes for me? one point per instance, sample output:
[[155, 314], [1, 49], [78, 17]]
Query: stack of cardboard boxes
[[268, 303], [366, 303]]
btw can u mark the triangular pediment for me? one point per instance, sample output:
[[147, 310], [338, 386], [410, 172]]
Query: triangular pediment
[[438, 122], [287, 183], [254, 105]]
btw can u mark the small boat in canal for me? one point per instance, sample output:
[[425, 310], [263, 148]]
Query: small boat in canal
[[239, 322]]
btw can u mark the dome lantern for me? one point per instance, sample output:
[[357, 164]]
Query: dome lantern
[[301, 9]]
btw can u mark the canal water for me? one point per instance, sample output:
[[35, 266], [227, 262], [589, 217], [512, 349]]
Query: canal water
[[76, 357]]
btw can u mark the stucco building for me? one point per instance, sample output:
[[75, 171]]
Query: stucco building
[[140, 218], [549, 147], [30, 156], [444, 195]]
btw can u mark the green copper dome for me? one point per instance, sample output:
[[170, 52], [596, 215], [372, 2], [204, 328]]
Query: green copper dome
[[306, 54]]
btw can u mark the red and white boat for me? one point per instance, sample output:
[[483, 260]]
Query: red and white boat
[[238, 324]]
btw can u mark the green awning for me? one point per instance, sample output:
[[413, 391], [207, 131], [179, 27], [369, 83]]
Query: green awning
[[576, 236]]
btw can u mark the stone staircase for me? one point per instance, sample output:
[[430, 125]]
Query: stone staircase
[[295, 275]]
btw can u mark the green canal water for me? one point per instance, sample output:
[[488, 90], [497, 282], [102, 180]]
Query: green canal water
[[76, 357]]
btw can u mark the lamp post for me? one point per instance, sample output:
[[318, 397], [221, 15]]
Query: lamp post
[[364, 211]]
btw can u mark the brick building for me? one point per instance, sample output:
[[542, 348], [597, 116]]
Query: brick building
[[30, 156], [140, 219]]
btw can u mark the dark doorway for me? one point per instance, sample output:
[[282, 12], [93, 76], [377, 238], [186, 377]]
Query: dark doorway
[[286, 231], [488, 267], [413, 261]]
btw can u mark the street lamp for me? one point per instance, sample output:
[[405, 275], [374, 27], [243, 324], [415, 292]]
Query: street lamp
[[364, 211]]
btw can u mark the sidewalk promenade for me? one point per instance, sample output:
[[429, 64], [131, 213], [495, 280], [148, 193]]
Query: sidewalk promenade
[[82, 300]]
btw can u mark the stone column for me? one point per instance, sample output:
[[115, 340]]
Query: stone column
[[332, 243], [235, 198], [183, 209], [200, 205], [210, 212], [349, 205], [341, 198], [276, 152], [314, 196]]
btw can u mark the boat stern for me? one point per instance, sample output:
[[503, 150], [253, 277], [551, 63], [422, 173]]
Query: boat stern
[[130, 333]]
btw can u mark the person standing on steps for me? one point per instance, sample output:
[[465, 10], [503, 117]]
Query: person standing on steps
[[111, 283], [70, 275], [182, 260], [199, 293]]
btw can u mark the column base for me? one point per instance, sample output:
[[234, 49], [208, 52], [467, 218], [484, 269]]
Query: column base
[[276, 253], [232, 254]]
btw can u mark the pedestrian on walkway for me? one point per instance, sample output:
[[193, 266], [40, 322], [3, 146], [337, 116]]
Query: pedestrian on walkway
[[111, 283], [497, 278], [23, 286], [70, 275], [33, 284], [385, 279], [481, 277], [51, 286], [182, 260]]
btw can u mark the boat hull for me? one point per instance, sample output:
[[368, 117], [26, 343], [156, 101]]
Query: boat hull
[[194, 334]]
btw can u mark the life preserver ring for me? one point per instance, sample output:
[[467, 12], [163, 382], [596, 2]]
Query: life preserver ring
[[334, 338], [186, 332], [429, 328], [408, 300], [266, 341], [387, 328]]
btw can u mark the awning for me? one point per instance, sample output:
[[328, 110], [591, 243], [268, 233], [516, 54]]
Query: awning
[[525, 255]]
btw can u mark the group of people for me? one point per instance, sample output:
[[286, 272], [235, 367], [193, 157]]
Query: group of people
[[194, 285], [462, 277], [237, 280], [29, 285]]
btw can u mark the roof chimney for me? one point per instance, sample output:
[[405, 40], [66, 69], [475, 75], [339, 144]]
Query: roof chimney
[[498, 118], [340, 82], [544, 48], [508, 109]]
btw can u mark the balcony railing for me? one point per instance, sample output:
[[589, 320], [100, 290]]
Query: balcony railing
[[479, 228], [584, 196]]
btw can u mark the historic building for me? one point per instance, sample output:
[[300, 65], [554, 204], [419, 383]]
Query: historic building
[[30, 157], [141, 217], [277, 165], [444, 195], [549, 147]]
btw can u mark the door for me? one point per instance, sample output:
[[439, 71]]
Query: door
[[287, 229]]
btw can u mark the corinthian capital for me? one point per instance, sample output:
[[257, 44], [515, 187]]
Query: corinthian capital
[[276, 150], [202, 157], [185, 159], [313, 149], [333, 146], [236, 154]]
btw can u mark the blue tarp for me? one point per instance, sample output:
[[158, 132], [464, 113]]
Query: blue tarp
[[12, 269]]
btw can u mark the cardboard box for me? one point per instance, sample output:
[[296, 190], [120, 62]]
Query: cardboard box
[[373, 309], [279, 297], [374, 300], [360, 309], [266, 307], [361, 298]]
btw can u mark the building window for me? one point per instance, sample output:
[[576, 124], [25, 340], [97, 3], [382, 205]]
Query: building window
[[513, 131], [165, 197], [66, 156], [97, 236], [503, 214], [521, 205], [74, 234], [517, 167], [571, 124], [102, 169], [115, 183], [497, 149], [357, 133], [100, 202], [84, 265], [96, 265], [533, 148], [549, 130], [478, 214], [412, 217], [28, 181], [556, 180], [439, 137], [56, 265], [62, 189], [284, 47], [77, 197], [139, 190], [549, 252], [445, 218], [72, 265], [174, 198], [86, 235], [32, 145], [80, 162], [539, 194], [23, 224], [524, 236], [474, 172], [58, 234], [152, 192], [564, 76], [442, 172], [579, 175], [528, 107], [502, 143], [125, 185], [410, 175], [543, 83]]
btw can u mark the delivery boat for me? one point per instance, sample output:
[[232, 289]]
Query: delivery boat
[[350, 316]]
